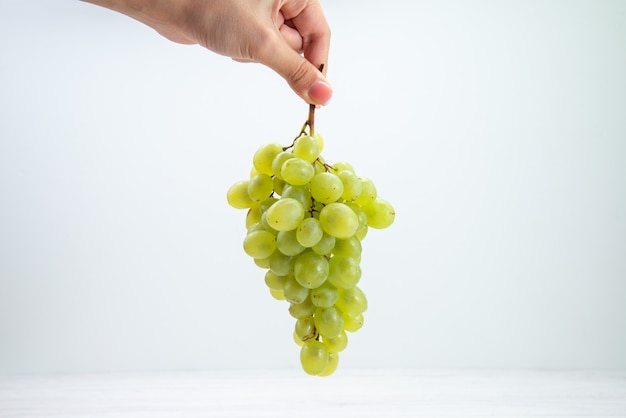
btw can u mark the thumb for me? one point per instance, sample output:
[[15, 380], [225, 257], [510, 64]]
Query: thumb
[[304, 78]]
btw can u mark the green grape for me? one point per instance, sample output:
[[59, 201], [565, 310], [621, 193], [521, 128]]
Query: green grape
[[310, 232], [297, 171], [287, 243], [359, 213], [342, 165], [333, 362], [351, 185], [344, 272], [337, 344], [278, 162], [325, 246], [368, 192], [352, 301], [266, 204], [255, 227], [264, 156], [259, 244], [297, 340], [238, 197], [294, 292], [281, 264], [300, 193], [302, 310], [307, 148], [325, 295], [305, 329], [278, 185], [320, 141], [353, 323], [311, 270], [263, 263], [326, 187], [328, 321], [266, 226], [285, 215], [314, 357], [274, 281], [260, 187], [349, 247], [380, 214], [253, 216], [339, 220], [277, 294], [361, 233]]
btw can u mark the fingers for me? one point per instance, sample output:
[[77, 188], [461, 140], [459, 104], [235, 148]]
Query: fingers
[[303, 29], [303, 77]]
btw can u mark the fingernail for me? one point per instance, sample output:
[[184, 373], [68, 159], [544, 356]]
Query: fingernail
[[321, 93]]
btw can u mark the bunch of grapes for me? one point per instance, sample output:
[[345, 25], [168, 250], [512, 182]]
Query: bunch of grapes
[[305, 223]]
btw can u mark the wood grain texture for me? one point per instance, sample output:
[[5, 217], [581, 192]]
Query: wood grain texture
[[382, 394]]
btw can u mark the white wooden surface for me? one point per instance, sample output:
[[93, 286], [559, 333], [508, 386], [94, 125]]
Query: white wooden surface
[[381, 394]]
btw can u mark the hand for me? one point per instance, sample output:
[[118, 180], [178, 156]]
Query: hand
[[272, 32]]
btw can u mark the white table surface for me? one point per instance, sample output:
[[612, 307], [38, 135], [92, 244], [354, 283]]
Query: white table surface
[[381, 394]]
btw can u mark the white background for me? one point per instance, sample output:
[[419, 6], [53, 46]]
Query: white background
[[496, 128]]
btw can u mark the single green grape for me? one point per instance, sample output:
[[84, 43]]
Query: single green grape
[[310, 232], [297, 340], [294, 292], [344, 272], [307, 148], [326, 187], [331, 367], [328, 321], [305, 329], [352, 301], [265, 205], [342, 165], [368, 192], [278, 161], [260, 187], [253, 216], [287, 243], [259, 244], [264, 156], [352, 186], [311, 269], [339, 220], [274, 281], [314, 357], [278, 184], [301, 193], [237, 195], [285, 215], [353, 323], [337, 344], [281, 264], [297, 171], [325, 295], [380, 214], [320, 141], [348, 247], [325, 245], [277, 294], [263, 263], [302, 310]]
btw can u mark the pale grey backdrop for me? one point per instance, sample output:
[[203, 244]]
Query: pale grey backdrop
[[497, 128]]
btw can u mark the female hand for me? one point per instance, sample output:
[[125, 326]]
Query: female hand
[[276, 33]]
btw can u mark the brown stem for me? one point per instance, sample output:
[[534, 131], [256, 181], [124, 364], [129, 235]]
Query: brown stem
[[311, 120]]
